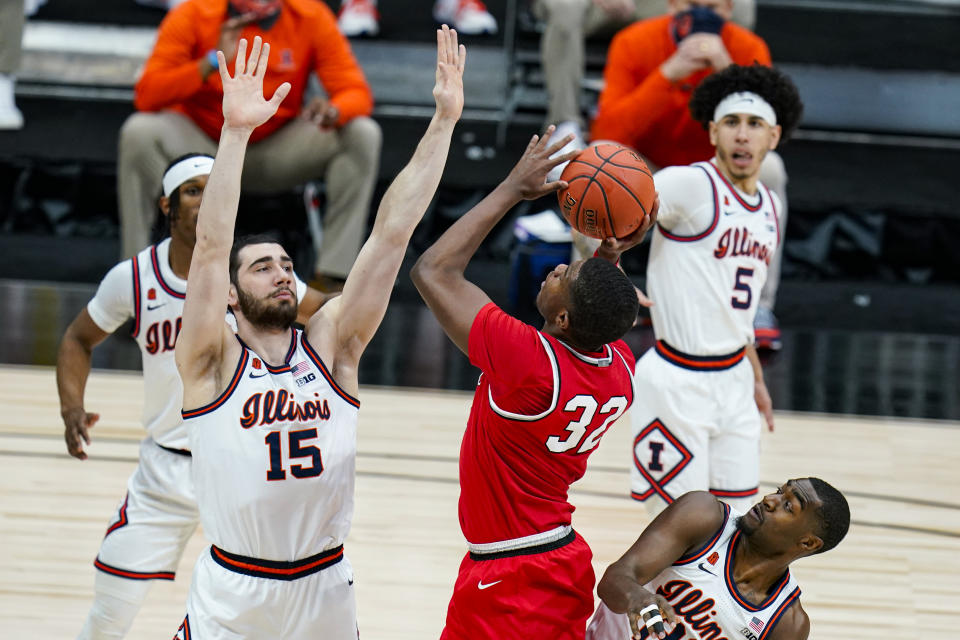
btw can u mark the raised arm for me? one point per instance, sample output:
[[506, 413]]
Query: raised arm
[[201, 341], [439, 273], [73, 369], [354, 317], [681, 527]]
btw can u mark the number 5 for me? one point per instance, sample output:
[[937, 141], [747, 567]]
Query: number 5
[[741, 285]]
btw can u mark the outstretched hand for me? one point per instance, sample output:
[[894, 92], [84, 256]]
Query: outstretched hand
[[244, 107], [611, 248], [529, 177], [448, 90]]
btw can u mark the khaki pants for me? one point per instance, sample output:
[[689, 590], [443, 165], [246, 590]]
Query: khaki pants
[[347, 159], [11, 34], [568, 23]]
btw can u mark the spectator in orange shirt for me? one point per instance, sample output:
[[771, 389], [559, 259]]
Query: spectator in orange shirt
[[179, 98], [652, 68]]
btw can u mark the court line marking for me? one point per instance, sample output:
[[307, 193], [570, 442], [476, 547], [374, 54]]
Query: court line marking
[[883, 497], [435, 479]]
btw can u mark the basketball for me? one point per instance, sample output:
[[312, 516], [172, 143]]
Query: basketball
[[610, 190]]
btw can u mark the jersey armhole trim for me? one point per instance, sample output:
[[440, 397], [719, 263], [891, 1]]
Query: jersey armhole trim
[[713, 225], [315, 358], [776, 214], [241, 365], [136, 297], [556, 390], [775, 590], [778, 614], [698, 553], [155, 262]]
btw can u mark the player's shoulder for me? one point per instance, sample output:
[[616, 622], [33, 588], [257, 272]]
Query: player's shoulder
[[621, 348], [702, 507], [794, 624], [681, 177], [640, 32]]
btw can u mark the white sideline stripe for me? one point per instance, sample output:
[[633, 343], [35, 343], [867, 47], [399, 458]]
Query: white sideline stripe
[[88, 39]]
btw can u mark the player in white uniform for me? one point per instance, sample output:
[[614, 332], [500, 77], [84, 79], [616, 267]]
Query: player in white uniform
[[710, 572], [146, 536], [271, 413], [700, 390]]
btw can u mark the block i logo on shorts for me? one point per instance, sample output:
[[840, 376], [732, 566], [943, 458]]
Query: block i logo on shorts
[[659, 456]]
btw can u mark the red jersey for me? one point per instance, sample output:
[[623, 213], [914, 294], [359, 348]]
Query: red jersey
[[539, 410]]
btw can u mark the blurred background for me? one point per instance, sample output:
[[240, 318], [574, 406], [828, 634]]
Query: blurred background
[[868, 305]]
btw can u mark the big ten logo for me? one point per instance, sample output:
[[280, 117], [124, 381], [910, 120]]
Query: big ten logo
[[310, 377], [162, 336]]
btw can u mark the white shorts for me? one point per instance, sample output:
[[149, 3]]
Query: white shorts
[[147, 534], [224, 603], [607, 625], [696, 427]]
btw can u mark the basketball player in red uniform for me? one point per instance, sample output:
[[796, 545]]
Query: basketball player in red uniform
[[542, 404]]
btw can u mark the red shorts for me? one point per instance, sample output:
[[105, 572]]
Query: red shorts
[[540, 595]]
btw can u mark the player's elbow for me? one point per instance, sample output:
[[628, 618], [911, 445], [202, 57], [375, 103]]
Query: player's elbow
[[608, 591]]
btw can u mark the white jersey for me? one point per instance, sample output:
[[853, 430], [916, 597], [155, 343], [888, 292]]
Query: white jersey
[[708, 259], [146, 289], [701, 589], [274, 457]]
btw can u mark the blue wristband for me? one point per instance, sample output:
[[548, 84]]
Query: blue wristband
[[212, 59]]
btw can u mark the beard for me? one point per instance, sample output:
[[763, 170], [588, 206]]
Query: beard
[[264, 315]]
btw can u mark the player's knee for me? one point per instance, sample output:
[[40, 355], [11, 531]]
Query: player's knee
[[115, 604], [567, 15], [362, 137], [139, 132]]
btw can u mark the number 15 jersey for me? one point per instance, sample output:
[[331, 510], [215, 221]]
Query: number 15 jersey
[[274, 457], [540, 408], [708, 259]]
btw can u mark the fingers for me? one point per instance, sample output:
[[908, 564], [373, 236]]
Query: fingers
[[278, 95], [453, 48], [566, 157], [442, 46], [222, 67], [462, 62], [264, 58], [768, 414], [240, 64], [253, 60]]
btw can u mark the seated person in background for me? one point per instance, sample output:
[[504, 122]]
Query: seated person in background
[[567, 24], [653, 67], [178, 98], [468, 17]]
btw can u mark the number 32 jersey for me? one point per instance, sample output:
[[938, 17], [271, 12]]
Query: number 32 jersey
[[708, 259], [274, 457], [539, 410]]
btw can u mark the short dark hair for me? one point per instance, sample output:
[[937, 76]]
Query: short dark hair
[[771, 84], [833, 514], [244, 241], [603, 305], [174, 197]]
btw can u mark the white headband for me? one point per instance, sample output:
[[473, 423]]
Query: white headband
[[185, 170], [745, 102]]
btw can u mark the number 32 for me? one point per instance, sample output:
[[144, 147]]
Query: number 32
[[615, 407]]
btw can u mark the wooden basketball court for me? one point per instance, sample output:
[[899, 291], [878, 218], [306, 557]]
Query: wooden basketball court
[[897, 574]]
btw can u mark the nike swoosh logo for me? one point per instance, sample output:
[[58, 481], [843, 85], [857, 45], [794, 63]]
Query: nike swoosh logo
[[149, 308], [259, 376], [482, 586], [703, 568], [729, 213]]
